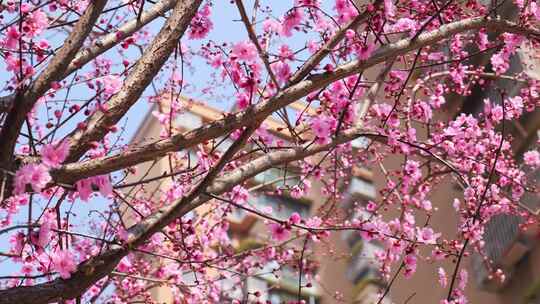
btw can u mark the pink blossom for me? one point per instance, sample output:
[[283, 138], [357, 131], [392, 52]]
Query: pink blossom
[[535, 9], [239, 195], [365, 50], [532, 158], [314, 222], [125, 264], [175, 192], [500, 62], [244, 50], [412, 170], [396, 80], [369, 231], [201, 24], [312, 3], [426, 235], [264, 136], [292, 19], [103, 183], [54, 154], [35, 23], [483, 41], [422, 111], [404, 25], [389, 8], [313, 46], [322, 127], [47, 224], [12, 38], [12, 63], [285, 53], [437, 101], [25, 8], [497, 113], [37, 175], [271, 26], [410, 265], [27, 269], [279, 232], [463, 277], [435, 56], [64, 263], [295, 218], [215, 61], [282, 71], [85, 186], [437, 254], [242, 100], [426, 205], [112, 84], [381, 109], [17, 242], [346, 11]]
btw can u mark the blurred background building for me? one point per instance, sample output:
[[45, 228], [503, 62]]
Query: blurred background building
[[345, 266]]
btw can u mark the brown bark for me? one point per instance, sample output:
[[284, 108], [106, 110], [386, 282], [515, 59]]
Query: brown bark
[[146, 68]]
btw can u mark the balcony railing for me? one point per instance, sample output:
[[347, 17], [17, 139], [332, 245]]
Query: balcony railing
[[360, 188], [504, 245]]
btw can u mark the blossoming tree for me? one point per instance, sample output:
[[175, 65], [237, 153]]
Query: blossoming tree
[[382, 70]]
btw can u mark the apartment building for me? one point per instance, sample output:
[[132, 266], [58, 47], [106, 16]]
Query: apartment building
[[345, 267]]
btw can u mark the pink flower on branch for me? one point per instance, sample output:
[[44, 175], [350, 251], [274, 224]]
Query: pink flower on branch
[[54, 154], [244, 50], [35, 175], [63, 262], [279, 232]]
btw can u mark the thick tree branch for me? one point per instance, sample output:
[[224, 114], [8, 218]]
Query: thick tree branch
[[57, 290], [98, 267], [74, 171], [139, 78], [104, 44], [54, 71], [127, 29]]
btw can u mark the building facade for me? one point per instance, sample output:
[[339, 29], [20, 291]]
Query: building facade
[[346, 270]]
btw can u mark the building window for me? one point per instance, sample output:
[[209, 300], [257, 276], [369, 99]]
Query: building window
[[360, 143], [363, 265], [278, 285], [187, 121], [279, 178], [361, 188], [277, 296]]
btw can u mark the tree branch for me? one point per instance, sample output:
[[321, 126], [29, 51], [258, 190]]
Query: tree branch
[[104, 44], [54, 71], [127, 29], [75, 171], [314, 60], [143, 72], [99, 266]]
